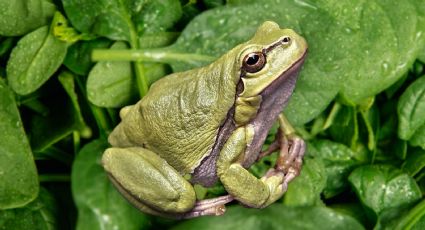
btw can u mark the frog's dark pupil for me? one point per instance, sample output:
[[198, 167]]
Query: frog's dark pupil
[[286, 39], [252, 59]]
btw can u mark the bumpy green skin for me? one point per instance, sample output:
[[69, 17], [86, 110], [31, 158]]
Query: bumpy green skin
[[180, 116], [175, 126]]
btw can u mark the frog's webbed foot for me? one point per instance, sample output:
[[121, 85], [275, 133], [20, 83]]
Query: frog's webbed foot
[[208, 207], [291, 153]]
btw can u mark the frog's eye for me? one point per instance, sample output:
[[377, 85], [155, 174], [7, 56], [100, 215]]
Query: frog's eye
[[253, 62], [286, 41]]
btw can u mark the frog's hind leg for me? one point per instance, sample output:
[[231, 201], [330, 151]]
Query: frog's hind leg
[[148, 181], [208, 207]]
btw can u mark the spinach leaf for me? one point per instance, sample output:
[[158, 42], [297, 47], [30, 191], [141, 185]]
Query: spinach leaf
[[78, 57], [415, 162], [19, 17], [338, 160], [19, 181], [274, 217], [411, 113], [99, 204], [111, 84], [122, 20], [305, 190], [39, 214], [383, 187], [34, 60]]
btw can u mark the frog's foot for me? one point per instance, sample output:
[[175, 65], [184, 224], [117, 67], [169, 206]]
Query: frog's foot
[[291, 153], [289, 162], [209, 207], [271, 149], [290, 157]]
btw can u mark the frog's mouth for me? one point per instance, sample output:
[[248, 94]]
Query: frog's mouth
[[287, 77]]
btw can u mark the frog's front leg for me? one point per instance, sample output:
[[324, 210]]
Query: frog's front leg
[[241, 184]]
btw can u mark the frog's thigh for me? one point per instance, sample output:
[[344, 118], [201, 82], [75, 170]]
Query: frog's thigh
[[239, 182], [146, 179]]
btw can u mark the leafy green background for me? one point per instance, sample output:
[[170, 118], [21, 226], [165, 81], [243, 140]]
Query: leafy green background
[[68, 66]]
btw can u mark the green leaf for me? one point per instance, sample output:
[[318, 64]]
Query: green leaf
[[158, 15], [345, 128], [338, 162], [19, 182], [418, 138], [99, 204], [34, 60], [19, 17], [158, 39], [384, 47], [305, 190], [78, 57], [415, 162], [122, 20], [6, 45], [274, 217], [397, 148], [39, 214], [371, 122], [414, 219], [213, 3], [351, 209], [111, 84], [239, 2], [421, 56], [384, 187], [411, 109]]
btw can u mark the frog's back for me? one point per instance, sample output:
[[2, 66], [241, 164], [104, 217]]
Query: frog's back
[[180, 117]]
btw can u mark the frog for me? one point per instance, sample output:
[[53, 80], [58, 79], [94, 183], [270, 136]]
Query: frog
[[206, 126]]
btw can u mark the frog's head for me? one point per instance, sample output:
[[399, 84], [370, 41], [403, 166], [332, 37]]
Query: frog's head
[[270, 54]]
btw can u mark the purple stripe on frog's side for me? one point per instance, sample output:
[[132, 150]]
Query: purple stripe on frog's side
[[206, 173]]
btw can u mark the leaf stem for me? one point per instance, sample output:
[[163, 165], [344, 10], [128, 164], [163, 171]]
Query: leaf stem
[[412, 217], [332, 115], [151, 55], [142, 82], [99, 114], [77, 141], [101, 119]]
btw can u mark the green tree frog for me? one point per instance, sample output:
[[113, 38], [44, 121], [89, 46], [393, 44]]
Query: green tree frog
[[209, 124]]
